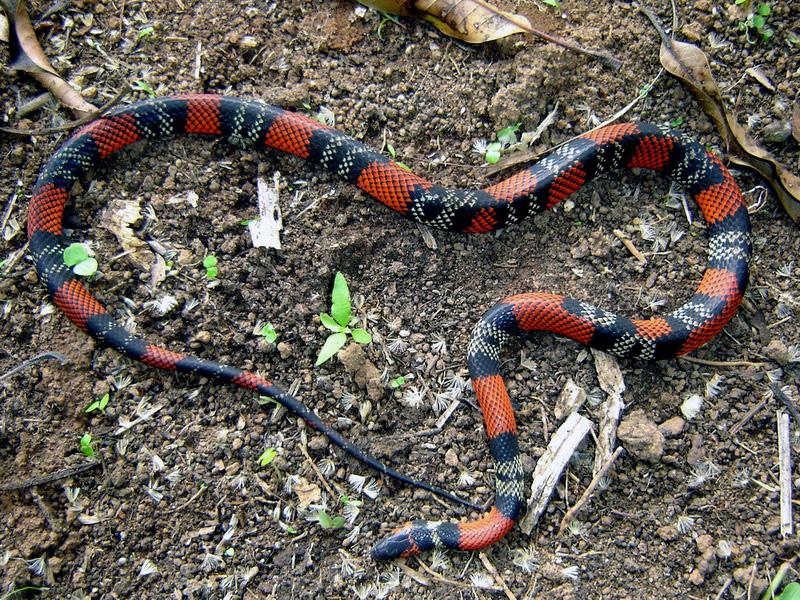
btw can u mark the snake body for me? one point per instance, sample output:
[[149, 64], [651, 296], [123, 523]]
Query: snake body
[[248, 123]]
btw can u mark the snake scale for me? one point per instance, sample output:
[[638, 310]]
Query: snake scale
[[249, 123]]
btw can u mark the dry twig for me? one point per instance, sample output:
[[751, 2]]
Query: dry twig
[[785, 465], [551, 465], [44, 479], [570, 514], [497, 577]]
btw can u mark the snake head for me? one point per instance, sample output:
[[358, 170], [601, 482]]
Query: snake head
[[400, 543], [408, 540]]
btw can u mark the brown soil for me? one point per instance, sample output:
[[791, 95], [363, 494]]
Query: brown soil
[[183, 488]]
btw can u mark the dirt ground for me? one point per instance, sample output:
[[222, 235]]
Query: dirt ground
[[178, 505]]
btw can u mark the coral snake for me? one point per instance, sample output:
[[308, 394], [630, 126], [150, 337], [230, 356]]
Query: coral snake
[[248, 123]]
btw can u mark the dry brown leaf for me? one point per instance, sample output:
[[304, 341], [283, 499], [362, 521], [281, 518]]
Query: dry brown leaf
[[307, 492], [796, 122], [472, 21], [761, 77], [477, 21], [27, 55], [690, 64]]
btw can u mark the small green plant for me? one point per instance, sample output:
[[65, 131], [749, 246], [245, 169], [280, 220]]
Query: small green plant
[[145, 32], [339, 321], [267, 457], [385, 18], [397, 382], [77, 256], [677, 122], [267, 331], [553, 3], [757, 21], [393, 153], [141, 84], [328, 522], [505, 138], [99, 404], [210, 265], [87, 447]]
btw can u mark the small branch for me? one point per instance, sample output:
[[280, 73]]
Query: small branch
[[629, 245], [413, 573], [497, 577], [724, 588], [721, 363], [194, 497], [570, 514], [749, 415], [71, 124], [609, 376], [444, 579], [319, 474], [608, 59], [551, 465], [787, 402], [440, 422], [45, 479], [785, 465], [33, 360]]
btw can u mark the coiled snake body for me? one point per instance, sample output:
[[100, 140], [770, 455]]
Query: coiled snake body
[[250, 123]]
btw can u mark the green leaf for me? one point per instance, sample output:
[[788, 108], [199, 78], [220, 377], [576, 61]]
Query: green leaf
[[759, 21], [553, 3], [330, 322], [86, 268], [268, 333], [328, 522], [390, 149], [145, 32], [509, 134], [397, 382], [331, 346], [340, 300], [324, 520], [362, 336], [210, 261], [99, 404], [86, 445], [267, 456], [764, 9], [790, 592], [75, 253], [141, 84], [212, 272], [493, 152]]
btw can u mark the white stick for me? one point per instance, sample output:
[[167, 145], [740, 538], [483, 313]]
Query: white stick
[[785, 464], [610, 378], [551, 465]]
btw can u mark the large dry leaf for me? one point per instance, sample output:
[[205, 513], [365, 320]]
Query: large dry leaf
[[690, 64], [477, 21], [27, 55]]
